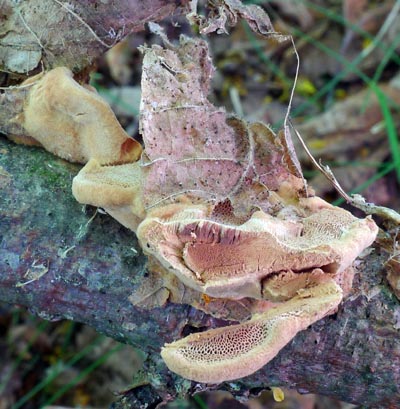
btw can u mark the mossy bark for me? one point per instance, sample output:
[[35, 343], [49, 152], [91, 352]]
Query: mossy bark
[[63, 262]]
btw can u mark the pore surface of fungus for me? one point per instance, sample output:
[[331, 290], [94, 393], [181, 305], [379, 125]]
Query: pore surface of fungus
[[239, 350], [222, 205]]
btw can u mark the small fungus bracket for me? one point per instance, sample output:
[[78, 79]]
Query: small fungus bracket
[[73, 122]]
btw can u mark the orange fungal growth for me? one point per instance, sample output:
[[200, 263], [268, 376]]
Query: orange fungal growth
[[206, 298]]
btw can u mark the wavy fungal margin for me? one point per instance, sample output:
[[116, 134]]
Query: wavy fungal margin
[[233, 352]]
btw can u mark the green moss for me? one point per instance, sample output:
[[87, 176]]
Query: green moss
[[27, 163]]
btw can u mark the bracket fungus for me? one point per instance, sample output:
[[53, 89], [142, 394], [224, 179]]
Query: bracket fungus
[[236, 261], [218, 203], [232, 352], [117, 189], [73, 121]]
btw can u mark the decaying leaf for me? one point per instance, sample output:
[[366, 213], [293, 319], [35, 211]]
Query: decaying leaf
[[388, 241], [353, 9], [393, 276], [227, 12], [196, 150], [347, 132], [53, 33], [296, 10]]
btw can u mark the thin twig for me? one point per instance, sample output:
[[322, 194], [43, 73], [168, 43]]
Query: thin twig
[[355, 200], [289, 108], [286, 122], [325, 170], [12, 87]]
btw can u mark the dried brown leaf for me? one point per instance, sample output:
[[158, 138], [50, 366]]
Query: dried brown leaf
[[228, 12], [72, 34]]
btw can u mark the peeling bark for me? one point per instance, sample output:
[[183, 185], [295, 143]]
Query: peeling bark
[[86, 270]]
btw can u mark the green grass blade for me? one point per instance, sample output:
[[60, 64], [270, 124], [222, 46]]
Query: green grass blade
[[55, 373], [90, 368], [390, 129]]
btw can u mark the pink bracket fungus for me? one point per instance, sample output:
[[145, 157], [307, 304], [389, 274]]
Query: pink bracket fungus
[[236, 261], [218, 203], [73, 121]]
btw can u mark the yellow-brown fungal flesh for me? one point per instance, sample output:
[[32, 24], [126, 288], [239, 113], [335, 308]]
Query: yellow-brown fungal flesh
[[117, 189], [74, 122]]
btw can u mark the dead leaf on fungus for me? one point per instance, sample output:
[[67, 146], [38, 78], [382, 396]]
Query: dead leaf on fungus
[[224, 209], [194, 149], [228, 12]]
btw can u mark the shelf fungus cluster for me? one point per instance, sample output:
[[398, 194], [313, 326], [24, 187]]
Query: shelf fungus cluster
[[217, 203]]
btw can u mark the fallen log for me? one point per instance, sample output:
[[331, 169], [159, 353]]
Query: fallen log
[[63, 261]]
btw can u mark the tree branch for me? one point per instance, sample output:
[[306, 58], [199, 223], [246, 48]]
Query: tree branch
[[62, 261]]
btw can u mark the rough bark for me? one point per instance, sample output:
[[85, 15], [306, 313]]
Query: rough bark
[[85, 269]]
